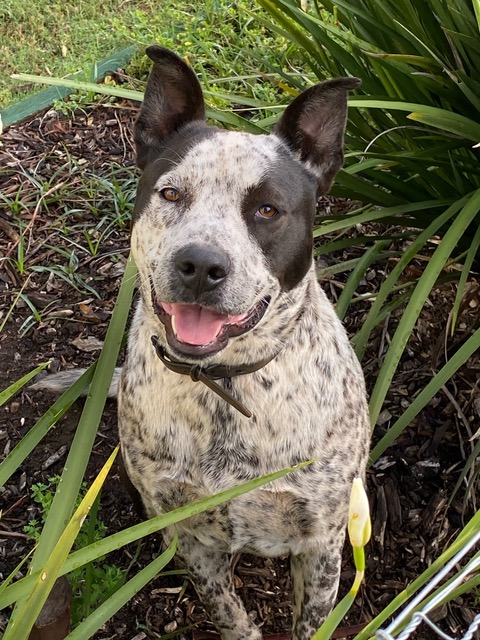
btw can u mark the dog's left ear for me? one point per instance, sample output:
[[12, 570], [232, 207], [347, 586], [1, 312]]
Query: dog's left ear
[[173, 98], [313, 126]]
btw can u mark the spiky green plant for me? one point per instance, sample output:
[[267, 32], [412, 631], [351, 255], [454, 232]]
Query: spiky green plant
[[412, 159], [412, 145]]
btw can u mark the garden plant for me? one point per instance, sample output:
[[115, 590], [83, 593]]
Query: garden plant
[[411, 172]]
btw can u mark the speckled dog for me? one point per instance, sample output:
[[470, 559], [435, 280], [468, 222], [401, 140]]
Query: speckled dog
[[222, 237]]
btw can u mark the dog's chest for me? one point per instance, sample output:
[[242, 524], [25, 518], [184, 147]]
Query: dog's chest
[[182, 442], [178, 428], [185, 426]]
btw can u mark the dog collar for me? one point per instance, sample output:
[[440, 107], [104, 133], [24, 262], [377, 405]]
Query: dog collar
[[209, 374]]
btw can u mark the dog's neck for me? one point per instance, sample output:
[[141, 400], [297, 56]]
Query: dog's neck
[[251, 353], [210, 373]]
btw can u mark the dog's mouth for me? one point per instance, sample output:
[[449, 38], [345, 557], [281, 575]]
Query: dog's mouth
[[197, 331]]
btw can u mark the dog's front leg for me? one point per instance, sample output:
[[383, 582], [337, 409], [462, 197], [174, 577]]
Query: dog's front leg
[[315, 576], [212, 577]]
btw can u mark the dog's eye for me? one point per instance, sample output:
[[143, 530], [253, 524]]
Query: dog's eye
[[266, 211], [170, 194]]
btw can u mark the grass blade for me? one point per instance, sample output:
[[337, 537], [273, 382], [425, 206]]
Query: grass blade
[[372, 215], [470, 257], [419, 296], [425, 396], [10, 391], [79, 454], [357, 274], [336, 616], [80, 85], [434, 116], [25, 615], [26, 445], [462, 539], [132, 534], [390, 282]]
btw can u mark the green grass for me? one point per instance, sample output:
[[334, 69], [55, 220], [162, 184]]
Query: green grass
[[49, 37]]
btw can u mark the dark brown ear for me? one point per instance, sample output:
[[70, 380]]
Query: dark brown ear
[[173, 98], [313, 126]]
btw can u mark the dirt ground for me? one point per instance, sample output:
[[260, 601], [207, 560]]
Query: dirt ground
[[43, 169]]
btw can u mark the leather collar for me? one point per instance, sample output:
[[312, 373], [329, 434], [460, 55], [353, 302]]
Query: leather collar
[[210, 373]]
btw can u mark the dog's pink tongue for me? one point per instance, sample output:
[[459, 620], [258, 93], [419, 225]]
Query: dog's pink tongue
[[194, 324]]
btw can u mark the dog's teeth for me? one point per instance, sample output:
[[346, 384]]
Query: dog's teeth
[[174, 325]]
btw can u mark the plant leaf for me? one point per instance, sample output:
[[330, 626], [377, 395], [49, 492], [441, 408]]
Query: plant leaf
[[25, 614], [414, 307]]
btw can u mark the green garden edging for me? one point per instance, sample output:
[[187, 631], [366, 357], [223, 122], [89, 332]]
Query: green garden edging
[[45, 98]]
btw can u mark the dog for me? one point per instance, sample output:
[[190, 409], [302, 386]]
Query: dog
[[237, 364]]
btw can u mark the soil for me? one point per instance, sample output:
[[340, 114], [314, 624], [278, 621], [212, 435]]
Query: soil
[[409, 486]]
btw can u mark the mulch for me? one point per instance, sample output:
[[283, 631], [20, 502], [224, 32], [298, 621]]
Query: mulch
[[44, 166]]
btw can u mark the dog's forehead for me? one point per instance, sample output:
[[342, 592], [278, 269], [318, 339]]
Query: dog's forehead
[[234, 159]]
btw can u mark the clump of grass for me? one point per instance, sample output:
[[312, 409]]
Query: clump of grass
[[73, 215], [93, 583], [56, 38]]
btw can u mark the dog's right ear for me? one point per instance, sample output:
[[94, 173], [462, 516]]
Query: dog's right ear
[[173, 98], [313, 126]]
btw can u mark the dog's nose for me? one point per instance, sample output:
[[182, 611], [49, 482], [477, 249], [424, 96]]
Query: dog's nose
[[202, 268]]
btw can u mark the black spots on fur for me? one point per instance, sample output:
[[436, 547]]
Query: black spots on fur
[[140, 416], [163, 158], [197, 426], [365, 448], [336, 346], [124, 384], [324, 367], [203, 398], [209, 518], [137, 431], [304, 519], [140, 364], [200, 580], [350, 405], [226, 528], [127, 388], [312, 334], [171, 495], [350, 416], [220, 413], [146, 453], [242, 464], [266, 383], [271, 430], [134, 376], [228, 384], [347, 383]]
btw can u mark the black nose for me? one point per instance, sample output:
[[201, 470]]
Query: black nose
[[202, 268]]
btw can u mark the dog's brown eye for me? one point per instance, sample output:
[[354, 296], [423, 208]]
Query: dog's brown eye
[[170, 194], [266, 211]]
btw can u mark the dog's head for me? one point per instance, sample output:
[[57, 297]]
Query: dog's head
[[223, 220]]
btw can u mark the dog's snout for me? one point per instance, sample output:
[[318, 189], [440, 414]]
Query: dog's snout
[[202, 268]]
